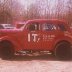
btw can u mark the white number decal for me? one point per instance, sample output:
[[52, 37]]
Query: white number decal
[[33, 38]]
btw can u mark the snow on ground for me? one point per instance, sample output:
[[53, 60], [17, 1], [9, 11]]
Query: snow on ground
[[35, 64]]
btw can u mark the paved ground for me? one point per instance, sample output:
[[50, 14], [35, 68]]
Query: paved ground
[[35, 64]]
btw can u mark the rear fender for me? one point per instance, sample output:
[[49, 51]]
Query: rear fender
[[61, 40]]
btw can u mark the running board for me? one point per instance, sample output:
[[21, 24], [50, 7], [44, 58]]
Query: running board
[[33, 53]]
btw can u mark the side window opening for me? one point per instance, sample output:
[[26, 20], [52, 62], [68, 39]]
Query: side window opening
[[61, 27], [1, 27], [48, 27], [33, 27]]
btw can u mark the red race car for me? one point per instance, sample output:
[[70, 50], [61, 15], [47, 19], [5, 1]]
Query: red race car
[[37, 37]]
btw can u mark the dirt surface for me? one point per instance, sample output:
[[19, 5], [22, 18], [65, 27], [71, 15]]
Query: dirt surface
[[35, 64]]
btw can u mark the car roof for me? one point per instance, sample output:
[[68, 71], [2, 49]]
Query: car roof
[[57, 21]]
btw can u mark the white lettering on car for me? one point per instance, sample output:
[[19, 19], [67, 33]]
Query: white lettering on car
[[28, 37], [33, 37], [36, 38], [48, 37]]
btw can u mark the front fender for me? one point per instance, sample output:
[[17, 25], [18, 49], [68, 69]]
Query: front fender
[[15, 42]]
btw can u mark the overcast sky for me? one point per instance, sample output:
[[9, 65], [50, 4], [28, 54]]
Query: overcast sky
[[26, 2]]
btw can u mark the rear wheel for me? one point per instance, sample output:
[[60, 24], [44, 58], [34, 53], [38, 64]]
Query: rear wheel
[[6, 50], [63, 51]]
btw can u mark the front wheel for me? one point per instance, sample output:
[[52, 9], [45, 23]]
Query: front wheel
[[6, 50], [63, 51]]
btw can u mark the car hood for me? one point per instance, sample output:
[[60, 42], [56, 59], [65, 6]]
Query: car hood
[[10, 30]]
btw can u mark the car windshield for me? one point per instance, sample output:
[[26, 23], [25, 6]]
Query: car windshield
[[20, 25], [23, 26]]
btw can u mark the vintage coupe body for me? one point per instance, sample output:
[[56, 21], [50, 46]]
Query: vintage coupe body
[[35, 37]]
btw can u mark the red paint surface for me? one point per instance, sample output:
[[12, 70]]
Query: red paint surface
[[19, 37]]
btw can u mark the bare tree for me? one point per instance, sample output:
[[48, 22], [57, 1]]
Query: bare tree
[[32, 12], [69, 11]]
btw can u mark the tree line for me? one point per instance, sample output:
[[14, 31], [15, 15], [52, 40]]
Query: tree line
[[40, 9]]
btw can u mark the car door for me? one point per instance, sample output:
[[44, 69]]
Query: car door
[[48, 35], [32, 36]]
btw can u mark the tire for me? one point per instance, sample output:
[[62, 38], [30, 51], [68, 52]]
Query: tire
[[6, 50], [63, 51]]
